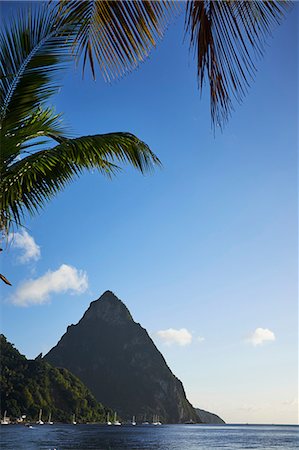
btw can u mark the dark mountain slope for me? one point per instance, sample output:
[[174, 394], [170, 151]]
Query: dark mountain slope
[[207, 417], [117, 360]]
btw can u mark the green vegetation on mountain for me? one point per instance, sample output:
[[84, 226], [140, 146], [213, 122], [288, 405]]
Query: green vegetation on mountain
[[30, 385]]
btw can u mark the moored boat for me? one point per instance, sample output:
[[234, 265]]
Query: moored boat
[[145, 422], [40, 422], [5, 420], [116, 422]]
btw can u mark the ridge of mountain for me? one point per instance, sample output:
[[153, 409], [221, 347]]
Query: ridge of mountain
[[208, 417]]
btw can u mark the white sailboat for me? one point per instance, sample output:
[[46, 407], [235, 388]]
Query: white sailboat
[[133, 421], [156, 420], [145, 421], [74, 420], [108, 419], [49, 420], [116, 422], [5, 420], [40, 422]]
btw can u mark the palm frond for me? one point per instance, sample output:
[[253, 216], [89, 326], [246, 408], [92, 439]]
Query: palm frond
[[42, 123], [29, 183], [5, 280], [31, 53], [226, 37], [116, 34]]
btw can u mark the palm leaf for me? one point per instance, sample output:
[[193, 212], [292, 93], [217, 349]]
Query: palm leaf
[[116, 34], [226, 37], [5, 280], [41, 124], [32, 51], [29, 183]]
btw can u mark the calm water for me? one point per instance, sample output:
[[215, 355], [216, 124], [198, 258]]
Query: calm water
[[165, 437]]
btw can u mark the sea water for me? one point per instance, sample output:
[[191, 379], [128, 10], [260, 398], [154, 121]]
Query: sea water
[[148, 437]]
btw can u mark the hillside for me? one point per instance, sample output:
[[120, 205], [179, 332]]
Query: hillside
[[207, 417], [28, 385]]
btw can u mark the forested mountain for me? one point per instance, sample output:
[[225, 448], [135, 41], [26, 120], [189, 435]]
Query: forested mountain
[[30, 385]]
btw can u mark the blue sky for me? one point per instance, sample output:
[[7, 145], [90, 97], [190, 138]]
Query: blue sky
[[207, 244]]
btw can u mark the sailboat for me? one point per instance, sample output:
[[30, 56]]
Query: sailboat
[[49, 420], [133, 421], [116, 422], [108, 419], [5, 420], [40, 422], [156, 420], [145, 421], [74, 420]]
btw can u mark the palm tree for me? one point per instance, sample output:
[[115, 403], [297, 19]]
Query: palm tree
[[225, 36], [37, 159]]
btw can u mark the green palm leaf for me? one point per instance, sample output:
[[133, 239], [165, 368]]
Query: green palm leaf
[[29, 183], [33, 49], [41, 124]]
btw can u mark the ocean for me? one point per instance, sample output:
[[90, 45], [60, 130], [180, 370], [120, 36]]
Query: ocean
[[148, 437]]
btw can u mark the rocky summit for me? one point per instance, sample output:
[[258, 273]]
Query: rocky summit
[[118, 361]]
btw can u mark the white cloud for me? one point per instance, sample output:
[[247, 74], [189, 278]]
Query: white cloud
[[171, 336], [37, 292], [261, 335], [26, 243], [200, 339]]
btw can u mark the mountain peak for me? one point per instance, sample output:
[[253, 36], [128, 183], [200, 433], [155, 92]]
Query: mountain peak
[[108, 308], [109, 296], [121, 365]]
